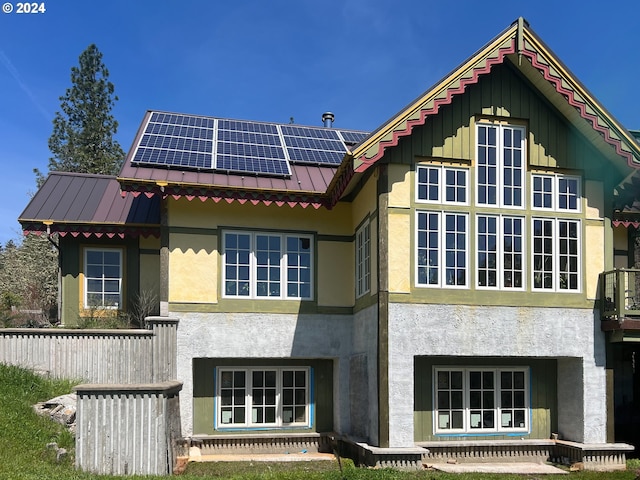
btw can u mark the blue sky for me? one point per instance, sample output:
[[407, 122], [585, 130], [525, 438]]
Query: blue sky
[[271, 60]]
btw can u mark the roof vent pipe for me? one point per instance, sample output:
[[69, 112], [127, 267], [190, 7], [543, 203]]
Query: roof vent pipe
[[327, 119]]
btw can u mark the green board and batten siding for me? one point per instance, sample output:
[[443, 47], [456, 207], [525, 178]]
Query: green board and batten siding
[[503, 95], [543, 395], [204, 391]]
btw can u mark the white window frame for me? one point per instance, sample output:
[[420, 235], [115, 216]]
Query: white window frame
[[363, 259], [228, 398], [103, 279], [281, 272], [554, 192], [440, 263], [442, 185], [504, 178], [501, 250], [550, 274], [463, 399]]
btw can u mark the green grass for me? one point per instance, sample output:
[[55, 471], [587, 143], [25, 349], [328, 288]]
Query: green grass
[[24, 455]]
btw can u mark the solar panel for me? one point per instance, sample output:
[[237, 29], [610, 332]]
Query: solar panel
[[320, 146], [174, 140], [236, 146], [352, 137], [250, 147]]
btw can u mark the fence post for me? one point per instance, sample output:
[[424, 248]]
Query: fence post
[[164, 348]]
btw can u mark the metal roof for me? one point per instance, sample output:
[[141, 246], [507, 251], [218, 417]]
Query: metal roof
[[307, 184], [91, 205]]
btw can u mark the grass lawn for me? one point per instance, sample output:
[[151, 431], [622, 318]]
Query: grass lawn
[[24, 455]]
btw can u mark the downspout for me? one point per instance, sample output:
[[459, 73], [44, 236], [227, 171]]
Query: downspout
[[57, 247]]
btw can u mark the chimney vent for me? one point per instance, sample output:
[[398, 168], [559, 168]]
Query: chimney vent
[[327, 119]]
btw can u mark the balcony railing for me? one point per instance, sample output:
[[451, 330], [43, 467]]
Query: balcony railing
[[620, 294]]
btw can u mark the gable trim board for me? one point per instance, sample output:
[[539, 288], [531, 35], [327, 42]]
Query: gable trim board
[[516, 43]]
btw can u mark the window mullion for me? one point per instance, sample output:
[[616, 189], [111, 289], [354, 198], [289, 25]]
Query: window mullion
[[284, 271], [500, 166], [253, 266]]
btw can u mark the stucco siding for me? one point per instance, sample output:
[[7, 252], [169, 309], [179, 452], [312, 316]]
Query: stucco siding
[[193, 268], [335, 288], [400, 235], [264, 336], [465, 331]]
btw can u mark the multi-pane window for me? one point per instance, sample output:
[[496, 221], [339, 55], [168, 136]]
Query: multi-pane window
[[556, 249], [267, 265], [556, 192], [102, 278], [442, 184], [481, 400], [263, 397], [500, 252], [500, 165], [363, 259], [442, 249]]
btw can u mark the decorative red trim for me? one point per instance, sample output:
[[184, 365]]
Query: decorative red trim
[[217, 195], [544, 69], [437, 103], [626, 223], [579, 105]]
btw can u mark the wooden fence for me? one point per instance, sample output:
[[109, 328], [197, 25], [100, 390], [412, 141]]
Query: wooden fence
[[128, 415], [127, 429], [96, 356]]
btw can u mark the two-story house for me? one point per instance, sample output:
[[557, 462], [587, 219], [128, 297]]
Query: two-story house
[[434, 281]]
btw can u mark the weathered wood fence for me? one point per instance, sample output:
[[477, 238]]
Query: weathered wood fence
[[96, 356], [128, 414], [131, 429]]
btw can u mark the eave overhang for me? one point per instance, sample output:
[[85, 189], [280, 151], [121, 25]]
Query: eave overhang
[[88, 230], [525, 51], [150, 188]]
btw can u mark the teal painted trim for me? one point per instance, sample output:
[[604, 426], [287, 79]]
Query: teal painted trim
[[312, 398], [491, 434], [215, 399], [309, 426]]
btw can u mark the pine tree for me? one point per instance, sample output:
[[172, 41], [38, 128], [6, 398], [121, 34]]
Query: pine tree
[[82, 138]]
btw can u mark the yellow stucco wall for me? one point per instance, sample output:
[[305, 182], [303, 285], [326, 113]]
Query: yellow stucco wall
[[335, 286], [593, 248], [400, 184], [400, 272], [195, 262], [193, 268]]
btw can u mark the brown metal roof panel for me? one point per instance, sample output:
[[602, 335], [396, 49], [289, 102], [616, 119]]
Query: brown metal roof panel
[[59, 202], [113, 206], [89, 192], [44, 197]]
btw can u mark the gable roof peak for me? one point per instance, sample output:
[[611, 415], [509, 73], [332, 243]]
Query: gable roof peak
[[525, 51]]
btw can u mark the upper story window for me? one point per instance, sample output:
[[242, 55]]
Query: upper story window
[[500, 259], [267, 265], [102, 278], [556, 254], [440, 184], [363, 259], [263, 397], [500, 165], [555, 192], [442, 240]]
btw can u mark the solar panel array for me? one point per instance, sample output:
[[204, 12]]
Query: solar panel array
[[186, 141]]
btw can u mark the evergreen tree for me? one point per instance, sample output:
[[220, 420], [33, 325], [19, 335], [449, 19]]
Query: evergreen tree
[[82, 138]]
